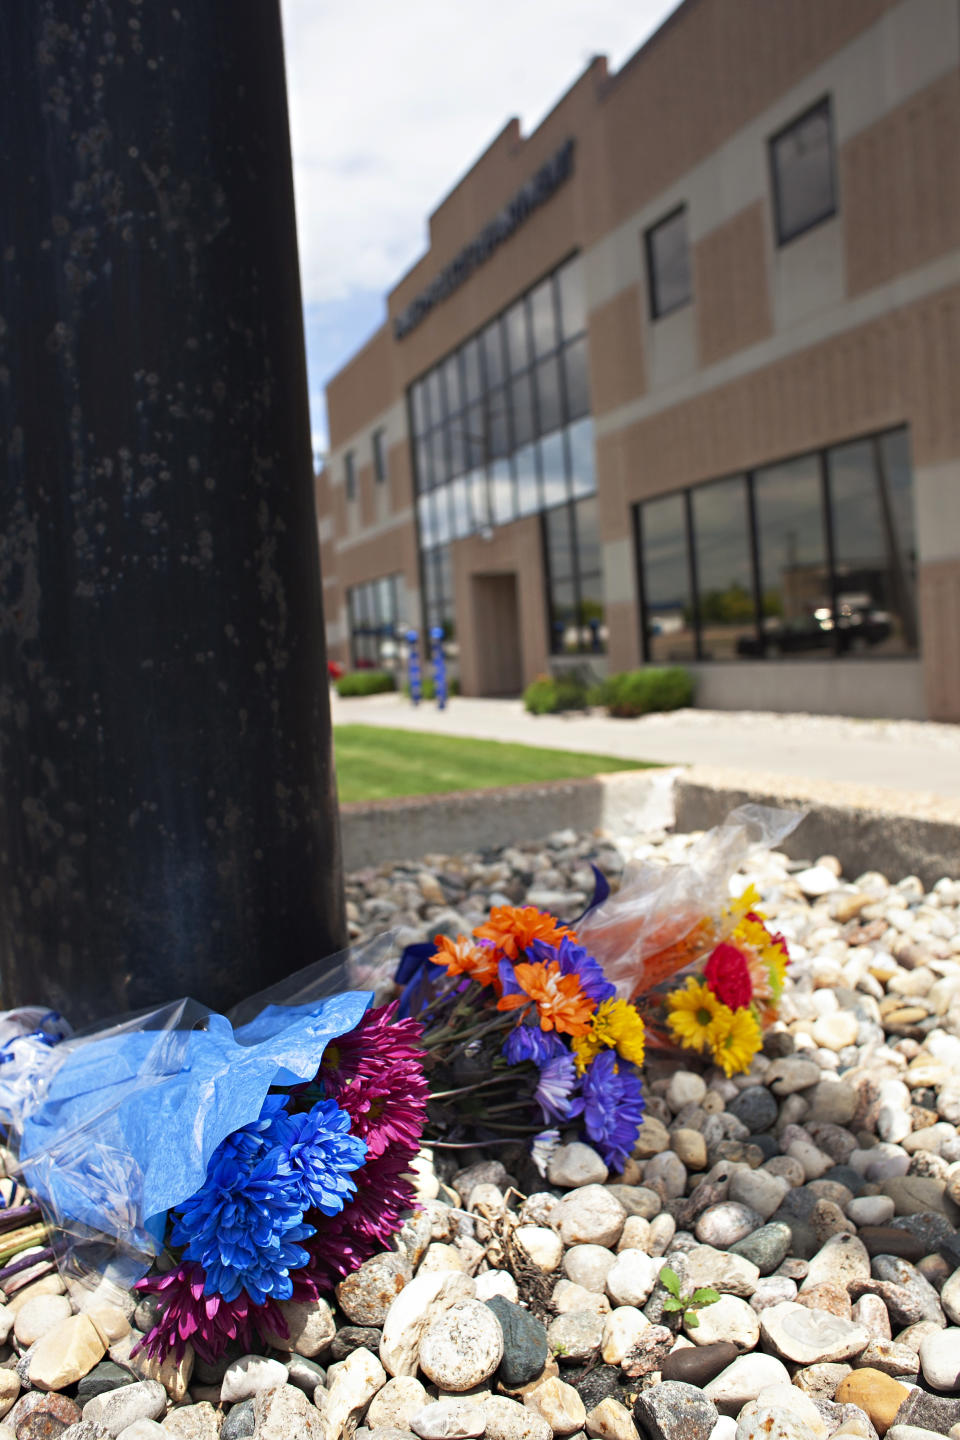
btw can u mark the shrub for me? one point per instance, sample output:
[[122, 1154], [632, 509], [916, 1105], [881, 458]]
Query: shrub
[[638, 692], [549, 694], [365, 682], [428, 688]]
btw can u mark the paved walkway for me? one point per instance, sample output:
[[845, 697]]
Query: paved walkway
[[902, 755]]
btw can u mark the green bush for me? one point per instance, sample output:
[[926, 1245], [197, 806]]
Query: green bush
[[428, 688], [639, 692], [365, 682], [549, 694]]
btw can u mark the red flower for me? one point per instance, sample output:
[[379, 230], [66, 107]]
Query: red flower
[[728, 976]]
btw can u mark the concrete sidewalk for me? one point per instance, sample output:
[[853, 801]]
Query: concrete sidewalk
[[896, 755]]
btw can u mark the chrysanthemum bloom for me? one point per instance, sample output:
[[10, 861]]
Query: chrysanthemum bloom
[[557, 1079], [464, 956], [375, 1074], [529, 1042], [561, 1003], [573, 959], [385, 1193], [736, 1039], [728, 976], [513, 929], [319, 1149], [767, 961], [612, 1107], [615, 1026], [207, 1322], [692, 1013]]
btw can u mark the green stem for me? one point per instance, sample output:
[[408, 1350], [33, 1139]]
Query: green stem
[[20, 1239], [508, 1078]]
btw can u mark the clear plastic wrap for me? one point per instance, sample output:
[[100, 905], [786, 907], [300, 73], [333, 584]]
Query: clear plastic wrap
[[665, 918], [115, 1126]]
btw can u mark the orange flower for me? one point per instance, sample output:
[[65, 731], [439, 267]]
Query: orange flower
[[560, 1001], [513, 928], [463, 957]]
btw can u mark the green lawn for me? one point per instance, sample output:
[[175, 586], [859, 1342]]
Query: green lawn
[[375, 763]]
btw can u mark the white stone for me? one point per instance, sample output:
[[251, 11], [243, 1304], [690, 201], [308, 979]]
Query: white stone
[[439, 1256], [589, 1266], [759, 1189], [311, 1326], [728, 1318], [40, 1315], [589, 1215], [497, 1282], [635, 1234], [621, 1330], [393, 1406], [811, 1337], [559, 1404], [449, 1420], [705, 1266], [144, 1430], [116, 1409], [574, 1165], [743, 1380], [357, 1380], [841, 1260], [685, 1088], [463, 1347], [836, 1031], [871, 1209], [544, 1247], [413, 1311], [611, 1421], [568, 1296], [784, 1396], [509, 1420], [65, 1354], [285, 1414], [631, 1278], [771, 1422], [817, 880], [249, 1375], [940, 1359]]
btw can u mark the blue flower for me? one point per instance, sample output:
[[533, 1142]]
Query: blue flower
[[320, 1151], [529, 1042], [557, 1079], [244, 1224], [612, 1107], [574, 960]]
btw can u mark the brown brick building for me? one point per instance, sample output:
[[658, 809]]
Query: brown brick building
[[678, 378]]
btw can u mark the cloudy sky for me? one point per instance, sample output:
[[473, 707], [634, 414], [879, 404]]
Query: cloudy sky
[[389, 104]]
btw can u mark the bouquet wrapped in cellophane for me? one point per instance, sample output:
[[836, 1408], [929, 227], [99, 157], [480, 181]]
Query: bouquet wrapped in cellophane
[[531, 1024]]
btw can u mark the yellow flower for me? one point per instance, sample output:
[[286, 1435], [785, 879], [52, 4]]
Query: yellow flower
[[753, 933], [693, 1014], [615, 1026], [736, 1039], [743, 904]]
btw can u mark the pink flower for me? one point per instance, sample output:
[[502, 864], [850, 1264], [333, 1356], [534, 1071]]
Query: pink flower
[[376, 1075], [728, 976], [207, 1322]]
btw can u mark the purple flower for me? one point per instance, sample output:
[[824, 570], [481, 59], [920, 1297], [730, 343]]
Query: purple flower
[[611, 1106], [557, 1079], [529, 1042], [574, 960]]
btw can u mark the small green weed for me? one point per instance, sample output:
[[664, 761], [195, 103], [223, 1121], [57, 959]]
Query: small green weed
[[688, 1305]]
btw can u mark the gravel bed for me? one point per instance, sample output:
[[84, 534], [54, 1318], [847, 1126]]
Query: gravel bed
[[819, 1195]]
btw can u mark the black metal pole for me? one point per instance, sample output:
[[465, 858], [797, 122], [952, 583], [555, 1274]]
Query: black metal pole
[[168, 819]]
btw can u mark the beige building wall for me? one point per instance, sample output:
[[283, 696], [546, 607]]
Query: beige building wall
[[852, 327]]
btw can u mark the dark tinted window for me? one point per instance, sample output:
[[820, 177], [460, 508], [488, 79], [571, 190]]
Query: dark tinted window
[[801, 160], [550, 411], [498, 438], [471, 369], [451, 381], [795, 586], [522, 395], [543, 319], [553, 469], [419, 399], [573, 310], [668, 264], [518, 347], [725, 591], [493, 353], [501, 492], [475, 437], [667, 592], [576, 379], [528, 490], [380, 455], [350, 476]]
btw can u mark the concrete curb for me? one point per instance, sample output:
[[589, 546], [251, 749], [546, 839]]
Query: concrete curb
[[866, 828]]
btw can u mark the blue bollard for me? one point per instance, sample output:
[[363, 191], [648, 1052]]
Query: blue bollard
[[439, 666], [413, 667]]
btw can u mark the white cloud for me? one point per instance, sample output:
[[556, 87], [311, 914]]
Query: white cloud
[[391, 103]]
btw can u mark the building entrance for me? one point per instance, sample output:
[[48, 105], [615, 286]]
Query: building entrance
[[496, 611]]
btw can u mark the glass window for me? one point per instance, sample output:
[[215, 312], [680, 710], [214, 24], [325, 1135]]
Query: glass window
[[456, 445], [874, 580], [543, 319], [380, 455], [424, 465], [438, 456], [801, 162], [451, 382], [522, 395], [501, 492], [460, 506], [582, 471], [479, 499], [350, 476], [553, 469], [419, 399], [474, 437], [576, 379], [428, 535], [517, 344], [593, 634], [573, 310], [471, 370], [724, 568], [795, 586], [528, 491], [549, 410], [498, 437], [373, 614], [559, 543], [441, 514], [435, 397], [668, 264], [667, 591], [493, 354]]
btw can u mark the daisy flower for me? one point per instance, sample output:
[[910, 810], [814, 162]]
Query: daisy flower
[[693, 1013], [464, 956], [616, 1026], [513, 929], [560, 1001], [736, 1039]]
